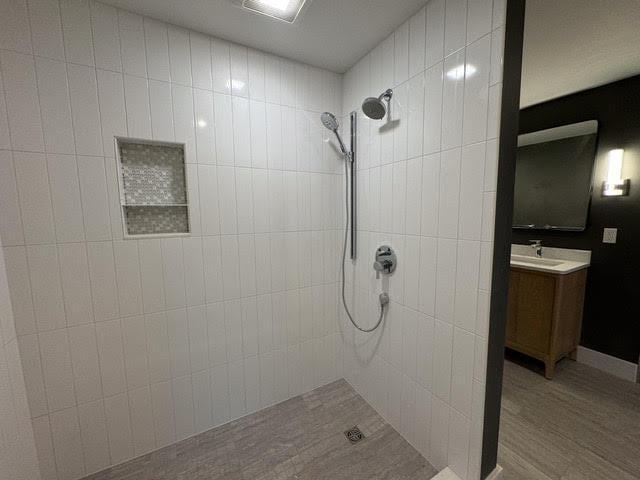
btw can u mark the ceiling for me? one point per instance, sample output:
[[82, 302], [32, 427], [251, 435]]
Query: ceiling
[[332, 34], [573, 45]]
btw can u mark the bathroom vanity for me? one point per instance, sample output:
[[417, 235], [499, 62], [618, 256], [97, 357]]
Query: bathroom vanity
[[546, 300]]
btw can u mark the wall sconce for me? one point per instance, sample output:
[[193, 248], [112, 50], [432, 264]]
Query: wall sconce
[[615, 185]]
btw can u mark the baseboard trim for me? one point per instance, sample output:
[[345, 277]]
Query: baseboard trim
[[607, 363]]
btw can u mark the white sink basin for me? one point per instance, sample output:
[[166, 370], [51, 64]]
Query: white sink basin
[[558, 266]]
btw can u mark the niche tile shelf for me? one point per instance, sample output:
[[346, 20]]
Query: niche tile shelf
[[153, 188]]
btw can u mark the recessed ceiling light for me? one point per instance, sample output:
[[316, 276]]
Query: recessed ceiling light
[[286, 10]]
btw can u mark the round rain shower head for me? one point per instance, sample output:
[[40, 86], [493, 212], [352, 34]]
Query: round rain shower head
[[374, 108], [329, 121]]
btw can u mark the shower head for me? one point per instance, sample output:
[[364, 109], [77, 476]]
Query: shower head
[[330, 122], [374, 107]]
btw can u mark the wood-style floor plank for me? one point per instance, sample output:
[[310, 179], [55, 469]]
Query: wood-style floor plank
[[583, 424]]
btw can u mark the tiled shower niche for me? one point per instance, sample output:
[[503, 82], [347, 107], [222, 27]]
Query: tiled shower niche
[[153, 189]]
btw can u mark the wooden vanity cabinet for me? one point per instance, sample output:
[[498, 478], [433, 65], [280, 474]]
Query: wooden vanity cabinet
[[544, 316]]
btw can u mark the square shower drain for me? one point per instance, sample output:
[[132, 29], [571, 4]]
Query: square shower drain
[[354, 435]]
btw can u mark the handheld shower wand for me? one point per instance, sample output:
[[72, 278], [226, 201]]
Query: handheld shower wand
[[330, 122]]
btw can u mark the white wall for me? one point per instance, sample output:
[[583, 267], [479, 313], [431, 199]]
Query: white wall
[[427, 188], [130, 345], [18, 459]]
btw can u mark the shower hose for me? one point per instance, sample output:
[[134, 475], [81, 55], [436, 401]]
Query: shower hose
[[344, 256]]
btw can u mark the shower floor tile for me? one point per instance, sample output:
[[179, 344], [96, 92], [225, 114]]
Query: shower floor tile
[[301, 438]]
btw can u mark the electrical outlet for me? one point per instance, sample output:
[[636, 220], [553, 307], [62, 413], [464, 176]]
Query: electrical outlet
[[610, 235]]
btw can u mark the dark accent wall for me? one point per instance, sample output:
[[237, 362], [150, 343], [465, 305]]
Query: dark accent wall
[[612, 308]]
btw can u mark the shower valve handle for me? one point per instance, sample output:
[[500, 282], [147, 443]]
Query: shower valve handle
[[385, 261]]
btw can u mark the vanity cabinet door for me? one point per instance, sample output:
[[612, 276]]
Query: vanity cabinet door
[[531, 300]]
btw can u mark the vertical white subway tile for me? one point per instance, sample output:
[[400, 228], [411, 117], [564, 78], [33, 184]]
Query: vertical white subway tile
[[46, 287], [224, 129], [111, 352], [227, 200], [44, 446], [448, 210], [95, 202], [442, 357], [74, 271], [237, 389], [247, 264], [112, 109], [103, 280], [462, 371], [179, 55], [258, 126], [216, 334], [453, 100], [134, 58], [427, 285], [399, 196], [479, 17], [95, 441], [128, 277], [142, 428], [135, 352], [21, 94], [157, 50], [242, 132], [20, 289], [435, 32], [440, 420], [151, 275], [83, 89], [67, 443], [198, 341], [274, 148], [203, 411], [33, 377], [488, 216], [256, 75], [204, 123], [455, 25], [76, 29], [477, 427], [493, 115], [459, 433], [201, 60], [56, 366], [163, 413], [244, 200], [212, 256], [471, 187], [194, 270], [230, 267], [417, 42], [415, 115], [55, 106], [183, 120], [252, 383], [183, 398], [119, 428], [85, 363], [158, 347], [161, 108], [272, 78], [433, 108], [446, 279], [15, 27], [249, 327], [220, 62], [233, 329], [136, 92], [497, 55], [104, 23], [260, 179], [178, 331], [401, 56], [10, 222], [289, 160], [220, 394], [414, 196], [173, 268], [476, 91], [65, 196], [239, 70], [35, 198]]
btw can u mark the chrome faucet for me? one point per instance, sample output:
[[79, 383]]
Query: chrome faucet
[[537, 246]]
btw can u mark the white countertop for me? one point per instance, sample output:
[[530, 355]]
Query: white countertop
[[560, 261]]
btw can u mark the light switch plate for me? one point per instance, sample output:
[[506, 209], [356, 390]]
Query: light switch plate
[[610, 235]]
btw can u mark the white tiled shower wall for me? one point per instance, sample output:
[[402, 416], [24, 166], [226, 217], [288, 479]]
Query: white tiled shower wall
[[427, 185], [130, 345], [18, 460]]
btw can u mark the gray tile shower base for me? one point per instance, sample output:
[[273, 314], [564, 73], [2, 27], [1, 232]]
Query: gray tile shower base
[[301, 438]]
